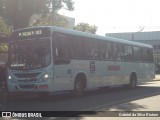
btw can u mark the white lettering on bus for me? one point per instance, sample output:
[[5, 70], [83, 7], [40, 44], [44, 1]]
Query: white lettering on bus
[[30, 33]]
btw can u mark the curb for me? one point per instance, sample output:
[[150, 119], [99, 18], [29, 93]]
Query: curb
[[157, 77]]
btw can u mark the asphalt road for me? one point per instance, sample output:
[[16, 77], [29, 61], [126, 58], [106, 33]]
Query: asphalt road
[[144, 98]]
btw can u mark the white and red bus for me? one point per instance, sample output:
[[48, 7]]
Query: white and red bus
[[53, 59]]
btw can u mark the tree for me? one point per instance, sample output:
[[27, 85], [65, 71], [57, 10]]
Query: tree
[[18, 12], [46, 20], [5, 31], [85, 27], [4, 28]]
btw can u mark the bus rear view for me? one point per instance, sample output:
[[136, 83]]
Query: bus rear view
[[30, 60]]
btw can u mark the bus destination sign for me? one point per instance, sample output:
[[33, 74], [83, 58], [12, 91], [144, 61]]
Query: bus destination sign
[[31, 33]]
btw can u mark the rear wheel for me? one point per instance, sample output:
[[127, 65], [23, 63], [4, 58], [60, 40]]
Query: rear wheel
[[133, 81], [79, 87]]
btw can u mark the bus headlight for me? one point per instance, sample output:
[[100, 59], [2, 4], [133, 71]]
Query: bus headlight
[[9, 77], [44, 78]]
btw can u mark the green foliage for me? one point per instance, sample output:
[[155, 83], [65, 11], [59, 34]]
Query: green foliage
[[18, 12], [46, 20], [4, 28], [5, 31], [3, 47], [59, 4], [85, 27]]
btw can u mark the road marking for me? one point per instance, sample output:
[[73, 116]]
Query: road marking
[[117, 102]]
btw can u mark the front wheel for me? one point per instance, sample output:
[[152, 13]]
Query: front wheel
[[79, 88]]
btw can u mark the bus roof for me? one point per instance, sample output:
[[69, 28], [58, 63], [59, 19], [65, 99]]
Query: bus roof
[[84, 34], [89, 35]]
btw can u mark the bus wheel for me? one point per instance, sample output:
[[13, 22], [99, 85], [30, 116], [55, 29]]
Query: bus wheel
[[79, 87], [133, 81]]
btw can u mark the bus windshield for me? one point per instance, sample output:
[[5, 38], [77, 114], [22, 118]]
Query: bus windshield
[[29, 54]]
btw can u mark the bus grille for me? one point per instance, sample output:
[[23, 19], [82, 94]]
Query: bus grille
[[27, 75], [28, 80], [27, 86]]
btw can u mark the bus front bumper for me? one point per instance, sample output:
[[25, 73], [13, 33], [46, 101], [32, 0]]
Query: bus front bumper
[[29, 87]]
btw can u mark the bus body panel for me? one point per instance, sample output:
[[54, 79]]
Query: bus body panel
[[83, 67], [98, 72], [63, 79]]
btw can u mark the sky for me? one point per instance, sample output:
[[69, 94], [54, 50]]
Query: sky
[[112, 16]]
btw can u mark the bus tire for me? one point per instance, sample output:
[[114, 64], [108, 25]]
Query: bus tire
[[133, 81], [79, 87]]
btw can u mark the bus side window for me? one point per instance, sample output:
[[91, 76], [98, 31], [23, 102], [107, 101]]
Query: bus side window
[[147, 55], [77, 45], [103, 50], [61, 49], [115, 51], [91, 47], [150, 55], [128, 53], [120, 52], [137, 53], [110, 54]]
